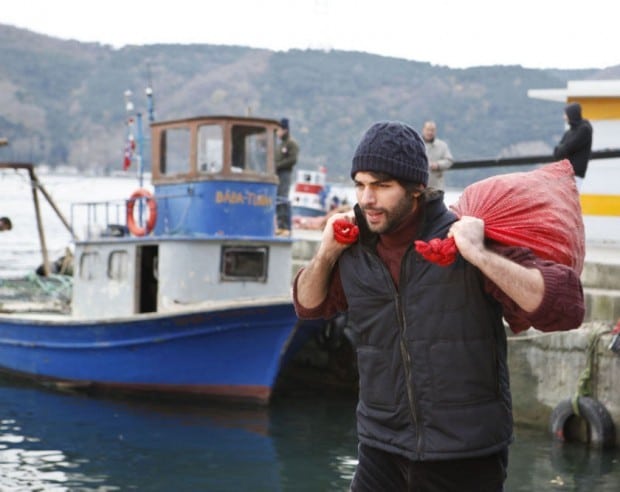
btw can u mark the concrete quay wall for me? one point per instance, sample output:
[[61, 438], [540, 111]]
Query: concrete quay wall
[[545, 368]]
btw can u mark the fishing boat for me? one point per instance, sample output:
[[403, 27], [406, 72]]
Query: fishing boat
[[310, 196], [313, 199], [181, 289]]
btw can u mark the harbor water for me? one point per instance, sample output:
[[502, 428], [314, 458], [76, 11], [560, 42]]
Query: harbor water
[[304, 441]]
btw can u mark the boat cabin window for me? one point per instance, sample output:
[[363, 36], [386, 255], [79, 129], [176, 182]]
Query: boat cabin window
[[118, 265], [244, 263], [175, 151], [249, 149], [210, 149], [88, 266]]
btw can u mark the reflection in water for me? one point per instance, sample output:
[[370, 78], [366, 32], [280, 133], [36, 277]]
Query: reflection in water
[[55, 442], [24, 469], [346, 467], [538, 463], [50, 441]]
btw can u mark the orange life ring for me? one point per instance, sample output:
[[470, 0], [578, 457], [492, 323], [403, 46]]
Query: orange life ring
[[134, 228]]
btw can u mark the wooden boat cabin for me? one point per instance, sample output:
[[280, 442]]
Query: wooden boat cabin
[[205, 233]]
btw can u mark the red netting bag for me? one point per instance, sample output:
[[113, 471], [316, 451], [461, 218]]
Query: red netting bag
[[539, 210]]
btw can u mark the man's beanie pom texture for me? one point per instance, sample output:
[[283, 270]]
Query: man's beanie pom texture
[[394, 148]]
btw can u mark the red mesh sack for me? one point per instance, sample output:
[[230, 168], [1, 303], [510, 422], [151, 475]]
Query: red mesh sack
[[539, 210]]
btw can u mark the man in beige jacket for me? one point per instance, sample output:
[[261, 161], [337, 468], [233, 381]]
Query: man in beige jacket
[[438, 154]]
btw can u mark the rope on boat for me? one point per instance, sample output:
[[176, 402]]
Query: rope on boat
[[584, 384]]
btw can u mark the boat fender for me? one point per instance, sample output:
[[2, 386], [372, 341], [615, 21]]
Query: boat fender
[[134, 228], [600, 426]]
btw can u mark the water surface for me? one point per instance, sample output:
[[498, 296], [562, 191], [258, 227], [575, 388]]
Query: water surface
[[305, 441]]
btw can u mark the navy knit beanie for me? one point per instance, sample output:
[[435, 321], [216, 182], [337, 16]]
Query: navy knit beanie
[[394, 148]]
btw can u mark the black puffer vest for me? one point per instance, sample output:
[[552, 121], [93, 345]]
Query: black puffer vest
[[431, 355]]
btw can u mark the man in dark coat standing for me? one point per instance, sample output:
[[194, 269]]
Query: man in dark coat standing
[[286, 158], [576, 143]]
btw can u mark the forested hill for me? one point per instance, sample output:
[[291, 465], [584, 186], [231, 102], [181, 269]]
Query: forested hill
[[61, 102]]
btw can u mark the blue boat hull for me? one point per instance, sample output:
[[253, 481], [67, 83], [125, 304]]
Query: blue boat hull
[[233, 353]]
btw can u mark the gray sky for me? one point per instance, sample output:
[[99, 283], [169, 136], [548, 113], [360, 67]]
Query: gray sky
[[456, 33]]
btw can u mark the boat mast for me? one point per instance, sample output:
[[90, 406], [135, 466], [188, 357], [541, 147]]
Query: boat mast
[[134, 124]]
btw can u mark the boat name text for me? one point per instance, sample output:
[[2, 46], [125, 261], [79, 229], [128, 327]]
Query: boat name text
[[247, 198]]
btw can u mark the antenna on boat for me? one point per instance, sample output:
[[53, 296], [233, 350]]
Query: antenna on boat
[[130, 142], [149, 96], [134, 146]]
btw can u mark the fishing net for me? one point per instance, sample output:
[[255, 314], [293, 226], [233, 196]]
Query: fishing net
[[34, 293], [539, 210]]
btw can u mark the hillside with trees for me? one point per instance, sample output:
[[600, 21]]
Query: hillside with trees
[[62, 102]]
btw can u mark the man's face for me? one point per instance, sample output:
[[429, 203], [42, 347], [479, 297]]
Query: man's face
[[428, 132], [385, 203]]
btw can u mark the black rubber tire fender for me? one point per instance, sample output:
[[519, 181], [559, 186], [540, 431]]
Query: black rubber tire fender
[[601, 428]]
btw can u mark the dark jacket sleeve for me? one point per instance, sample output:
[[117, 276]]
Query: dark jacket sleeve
[[563, 305], [573, 140], [288, 159]]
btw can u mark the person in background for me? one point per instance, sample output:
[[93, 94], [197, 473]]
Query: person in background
[[286, 158], [5, 224], [434, 409], [576, 143], [438, 155]]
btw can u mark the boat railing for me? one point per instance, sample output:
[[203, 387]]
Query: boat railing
[[99, 218], [109, 218]]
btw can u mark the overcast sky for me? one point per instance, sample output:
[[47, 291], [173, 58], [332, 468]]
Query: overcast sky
[[456, 33]]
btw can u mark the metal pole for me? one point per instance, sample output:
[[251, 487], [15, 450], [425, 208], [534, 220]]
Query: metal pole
[[49, 199], [140, 140], [35, 197]]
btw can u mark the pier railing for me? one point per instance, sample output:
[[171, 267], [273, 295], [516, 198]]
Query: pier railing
[[527, 160]]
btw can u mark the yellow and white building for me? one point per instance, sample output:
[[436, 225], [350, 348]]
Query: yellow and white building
[[600, 191]]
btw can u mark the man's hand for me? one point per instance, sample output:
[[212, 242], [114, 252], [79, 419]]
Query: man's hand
[[330, 246], [468, 234], [525, 286], [313, 280]]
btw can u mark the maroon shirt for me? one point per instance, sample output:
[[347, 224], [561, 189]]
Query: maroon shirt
[[562, 307]]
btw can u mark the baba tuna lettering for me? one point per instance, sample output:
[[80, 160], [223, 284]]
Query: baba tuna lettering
[[236, 198], [228, 197], [258, 200]]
